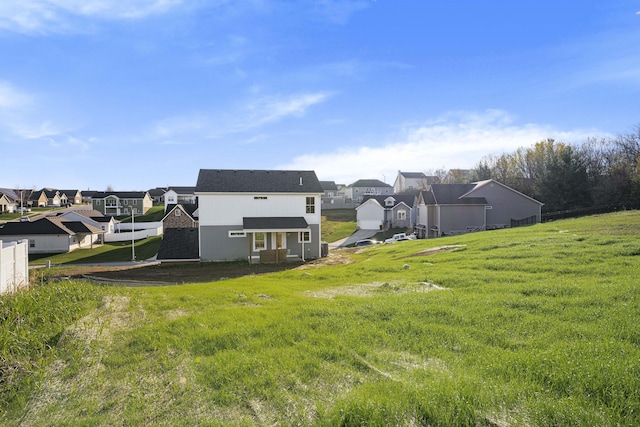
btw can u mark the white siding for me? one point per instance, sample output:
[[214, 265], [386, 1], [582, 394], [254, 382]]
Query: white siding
[[229, 209], [370, 215]]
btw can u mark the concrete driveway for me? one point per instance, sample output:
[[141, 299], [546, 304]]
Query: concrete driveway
[[358, 235]]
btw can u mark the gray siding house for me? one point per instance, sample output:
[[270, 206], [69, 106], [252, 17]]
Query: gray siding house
[[446, 209], [258, 215]]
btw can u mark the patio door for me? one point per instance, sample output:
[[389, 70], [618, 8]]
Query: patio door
[[280, 241]]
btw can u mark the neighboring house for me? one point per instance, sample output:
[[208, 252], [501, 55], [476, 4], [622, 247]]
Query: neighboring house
[[330, 192], [72, 197], [117, 203], [91, 217], [87, 196], [412, 182], [258, 215], [7, 201], [180, 216], [385, 212], [51, 235], [367, 187], [157, 195], [446, 209], [182, 195], [45, 197]]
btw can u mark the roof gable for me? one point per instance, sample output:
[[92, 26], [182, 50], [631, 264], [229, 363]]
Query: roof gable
[[257, 181]]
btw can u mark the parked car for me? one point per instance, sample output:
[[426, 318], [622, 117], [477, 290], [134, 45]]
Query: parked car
[[24, 219], [366, 242], [400, 237]]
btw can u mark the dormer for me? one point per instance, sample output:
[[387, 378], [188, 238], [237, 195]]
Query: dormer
[[389, 202]]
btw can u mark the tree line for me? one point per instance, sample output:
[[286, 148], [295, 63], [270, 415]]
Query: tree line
[[596, 173]]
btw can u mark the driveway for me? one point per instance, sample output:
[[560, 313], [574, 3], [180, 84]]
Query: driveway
[[358, 235]]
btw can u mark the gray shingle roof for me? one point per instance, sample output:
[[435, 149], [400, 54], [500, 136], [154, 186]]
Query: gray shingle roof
[[399, 198], [369, 183], [46, 226], [257, 181], [274, 223], [449, 194], [179, 243], [329, 185], [120, 194]]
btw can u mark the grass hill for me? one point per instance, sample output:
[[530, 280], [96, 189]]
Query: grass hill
[[528, 326]]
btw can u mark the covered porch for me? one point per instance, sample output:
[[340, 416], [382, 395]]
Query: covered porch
[[276, 239]]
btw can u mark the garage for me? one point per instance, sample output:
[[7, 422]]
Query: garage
[[369, 224]]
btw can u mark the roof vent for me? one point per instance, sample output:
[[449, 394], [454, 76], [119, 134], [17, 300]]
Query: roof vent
[[300, 180]]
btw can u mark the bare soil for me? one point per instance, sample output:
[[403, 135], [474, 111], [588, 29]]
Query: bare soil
[[194, 272]]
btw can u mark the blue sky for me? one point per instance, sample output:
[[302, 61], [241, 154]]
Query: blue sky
[[144, 93]]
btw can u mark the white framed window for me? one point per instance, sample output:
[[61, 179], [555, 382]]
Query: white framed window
[[177, 212], [135, 202], [259, 197], [98, 202], [401, 215], [237, 233], [259, 241], [311, 204], [304, 237], [32, 243]]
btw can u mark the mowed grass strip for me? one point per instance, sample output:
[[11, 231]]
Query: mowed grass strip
[[529, 326]]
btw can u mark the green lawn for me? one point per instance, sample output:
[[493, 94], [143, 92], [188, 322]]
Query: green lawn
[[535, 326], [109, 252], [337, 224], [155, 213]]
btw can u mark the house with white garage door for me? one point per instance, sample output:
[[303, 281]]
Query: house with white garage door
[[385, 212]]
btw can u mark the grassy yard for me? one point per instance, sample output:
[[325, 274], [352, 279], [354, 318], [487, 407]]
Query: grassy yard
[[337, 224], [108, 252], [155, 213], [534, 326]]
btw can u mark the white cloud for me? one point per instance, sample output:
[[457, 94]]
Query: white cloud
[[41, 16], [455, 140], [255, 114], [12, 98], [272, 109]]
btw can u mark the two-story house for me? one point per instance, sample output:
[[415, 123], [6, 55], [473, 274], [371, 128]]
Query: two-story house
[[384, 212], [412, 182], [257, 215], [117, 203], [367, 187]]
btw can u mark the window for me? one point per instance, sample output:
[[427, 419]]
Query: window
[[135, 202], [304, 237], [237, 233], [259, 197], [311, 205], [259, 241], [177, 212], [32, 243], [401, 215], [98, 202]]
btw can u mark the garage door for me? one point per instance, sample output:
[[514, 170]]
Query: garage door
[[369, 225]]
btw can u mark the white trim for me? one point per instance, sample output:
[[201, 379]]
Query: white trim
[[259, 248], [301, 233]]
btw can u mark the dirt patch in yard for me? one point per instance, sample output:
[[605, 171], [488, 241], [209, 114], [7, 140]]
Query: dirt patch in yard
[[195, 272]]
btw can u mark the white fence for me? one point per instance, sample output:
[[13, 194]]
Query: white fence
[[127, 226], [14, 265], [140, 233]]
